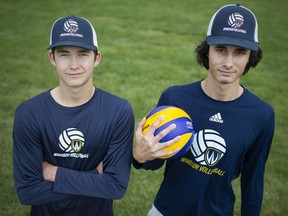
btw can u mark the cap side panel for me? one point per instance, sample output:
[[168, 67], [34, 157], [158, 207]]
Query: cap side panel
[[94, 37], [51, 31]]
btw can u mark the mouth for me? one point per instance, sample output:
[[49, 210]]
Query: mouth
[[226, 72], [74, 74]]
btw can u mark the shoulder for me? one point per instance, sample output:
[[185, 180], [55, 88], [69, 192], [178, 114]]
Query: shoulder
[[33, 103], [30, 111], [111, 101], [180, 93], [109, 97], [186, 88], [256, 101], [256, 108]]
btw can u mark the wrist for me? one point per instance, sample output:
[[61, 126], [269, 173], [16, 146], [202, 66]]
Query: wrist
[[137, 158]]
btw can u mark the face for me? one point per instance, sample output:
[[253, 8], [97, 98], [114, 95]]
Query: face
[[74, 65], [227, 63]]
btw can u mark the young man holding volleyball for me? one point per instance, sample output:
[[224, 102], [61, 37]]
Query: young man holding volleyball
[[234, 128], [73, 143]]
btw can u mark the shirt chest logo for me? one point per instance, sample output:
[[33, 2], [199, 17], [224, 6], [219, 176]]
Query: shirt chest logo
[[208, 147], [71, 140], [216, 118]]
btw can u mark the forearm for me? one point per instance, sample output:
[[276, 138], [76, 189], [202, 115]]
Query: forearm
[[49, 170], [33, 189], [112, 184]]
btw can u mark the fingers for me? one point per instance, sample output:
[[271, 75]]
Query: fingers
[[164, 149], [150, 135], [148, 147], [155, 125], [160, 150], [140, 126], [164, 132], [170, 142], [142, 122], [167, 154]]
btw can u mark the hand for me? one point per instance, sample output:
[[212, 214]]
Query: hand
[[147, 147], [99, 168], [49, 171]]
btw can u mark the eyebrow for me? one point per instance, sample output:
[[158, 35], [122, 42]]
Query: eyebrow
[[62, 51]]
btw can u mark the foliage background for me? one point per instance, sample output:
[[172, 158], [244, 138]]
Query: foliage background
[[146, 46]]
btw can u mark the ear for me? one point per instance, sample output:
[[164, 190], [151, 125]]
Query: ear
[[51, 57], [97, 59]]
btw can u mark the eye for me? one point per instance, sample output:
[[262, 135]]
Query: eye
[[241, 52], [63, 54], [221, 50]]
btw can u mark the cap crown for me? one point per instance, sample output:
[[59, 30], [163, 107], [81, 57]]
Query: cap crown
[[73, 31], [233, 25]]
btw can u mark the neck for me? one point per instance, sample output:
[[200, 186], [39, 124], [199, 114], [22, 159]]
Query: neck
[[72, 97], [222, 92]]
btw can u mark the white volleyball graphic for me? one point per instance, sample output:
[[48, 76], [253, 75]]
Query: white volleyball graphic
[[236, 20], [71, 26], [71, 140], [208, 147]]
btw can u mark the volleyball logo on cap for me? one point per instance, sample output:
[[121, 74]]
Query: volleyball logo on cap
[[71, 26], [236, 20], [184, 128]]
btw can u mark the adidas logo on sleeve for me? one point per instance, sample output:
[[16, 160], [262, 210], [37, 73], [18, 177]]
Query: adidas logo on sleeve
[[216, 118]]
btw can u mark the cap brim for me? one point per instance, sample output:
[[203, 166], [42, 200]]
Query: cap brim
[[73, 43], [225, 40]]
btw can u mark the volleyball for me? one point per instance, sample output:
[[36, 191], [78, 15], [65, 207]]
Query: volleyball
[[184, 128]]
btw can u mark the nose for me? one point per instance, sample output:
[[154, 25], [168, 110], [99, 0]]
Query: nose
[[74, 62], [228, 61]]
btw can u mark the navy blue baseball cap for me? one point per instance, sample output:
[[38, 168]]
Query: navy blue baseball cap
[[233, 25], [73, 31]]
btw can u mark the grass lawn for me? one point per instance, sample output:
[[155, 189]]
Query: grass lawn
[[146, 46]]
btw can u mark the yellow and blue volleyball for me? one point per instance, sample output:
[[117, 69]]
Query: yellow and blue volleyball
[[184, 128]]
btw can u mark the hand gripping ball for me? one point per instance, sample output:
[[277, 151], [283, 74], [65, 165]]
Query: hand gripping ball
[[184, 128]]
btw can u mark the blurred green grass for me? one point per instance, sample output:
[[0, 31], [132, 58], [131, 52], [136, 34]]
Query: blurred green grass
[[146, 46]]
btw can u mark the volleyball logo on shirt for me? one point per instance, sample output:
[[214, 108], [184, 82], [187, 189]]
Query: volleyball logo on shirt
[[71, 140], [208, 147]]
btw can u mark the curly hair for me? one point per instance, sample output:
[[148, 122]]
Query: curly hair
[[202, 51]]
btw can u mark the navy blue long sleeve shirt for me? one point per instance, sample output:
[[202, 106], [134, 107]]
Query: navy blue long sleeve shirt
[[232, 138], [76, 139]]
